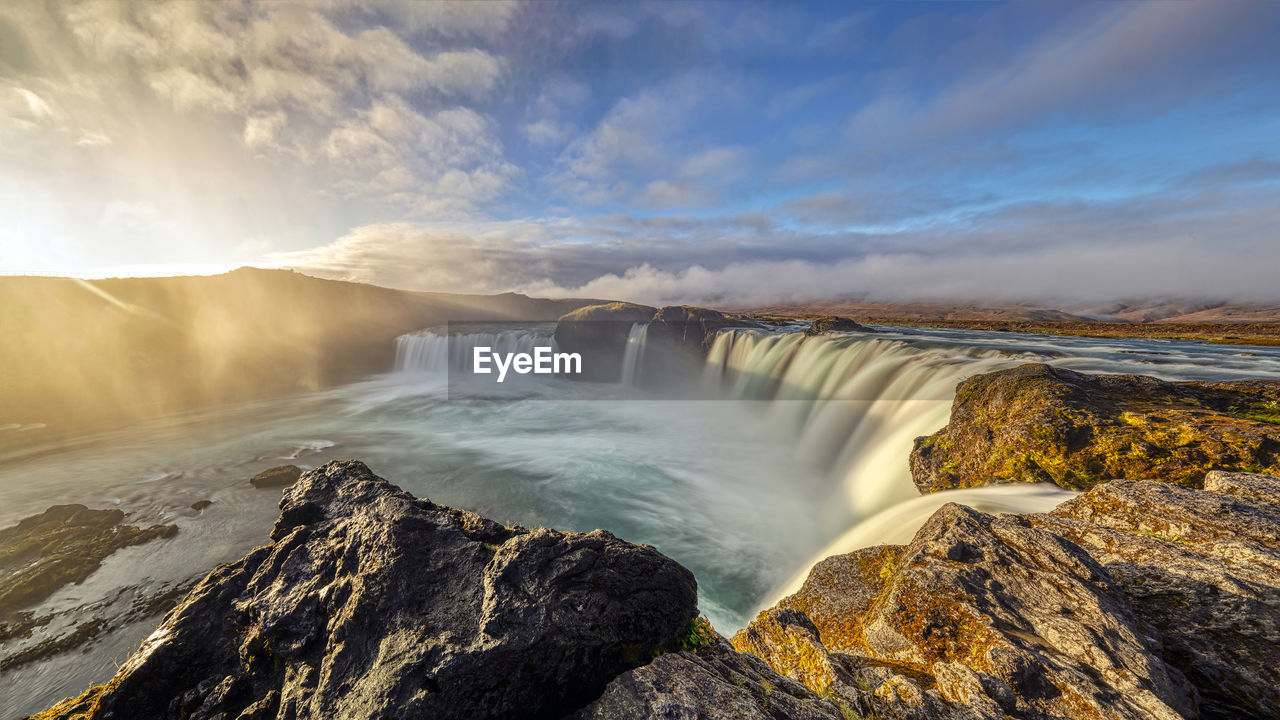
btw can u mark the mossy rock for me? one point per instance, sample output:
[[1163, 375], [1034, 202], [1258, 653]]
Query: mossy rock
[[1037, 423], [62, 545], [835, 323], [277, 477]]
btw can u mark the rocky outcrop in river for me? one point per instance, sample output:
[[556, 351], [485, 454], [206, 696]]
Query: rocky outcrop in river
[[599, 333], [694, 329], [834, 324], [1038, 423], [679, 335], [62, 545]]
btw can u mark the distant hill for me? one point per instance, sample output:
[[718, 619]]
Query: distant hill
[[1199, 322], [887, 312], [1134, 311], [1181, 311], [78, 353]]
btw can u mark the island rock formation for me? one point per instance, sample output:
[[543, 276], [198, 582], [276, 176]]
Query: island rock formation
[[834, 323], [599, 333]]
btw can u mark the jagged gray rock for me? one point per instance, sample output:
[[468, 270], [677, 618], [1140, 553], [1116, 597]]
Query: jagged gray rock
[[980, 616], [1203, 570], [370, 603], [1136, 600], [713, 683]]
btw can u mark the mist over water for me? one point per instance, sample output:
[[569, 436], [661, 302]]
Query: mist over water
[[792, 449]]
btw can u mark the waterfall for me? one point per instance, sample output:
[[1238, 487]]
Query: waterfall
[[857, 403], [432, 351], [633, 360]]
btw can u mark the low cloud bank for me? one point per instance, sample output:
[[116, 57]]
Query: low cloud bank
[[550, 258]]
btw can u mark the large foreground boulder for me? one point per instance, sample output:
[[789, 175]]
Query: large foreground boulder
[[599, 333], [1133, 600], [370, 603], [1037, 423]]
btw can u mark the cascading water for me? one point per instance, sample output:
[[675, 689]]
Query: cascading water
[[857, 403], [430, 351], [633, 359]]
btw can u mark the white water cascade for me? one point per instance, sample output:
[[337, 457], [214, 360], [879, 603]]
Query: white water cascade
[[431, 351], [857, 403], [633, 359]]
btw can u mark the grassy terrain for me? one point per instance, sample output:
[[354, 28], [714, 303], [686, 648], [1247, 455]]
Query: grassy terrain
[[1262, 334]]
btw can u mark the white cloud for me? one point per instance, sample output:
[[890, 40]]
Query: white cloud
[[260, 130], [664, 193], [547, 132], [716, 164], [190, 92], [448, 18], [295, 83], [1149, 246], [1118, 53], [637, 138]]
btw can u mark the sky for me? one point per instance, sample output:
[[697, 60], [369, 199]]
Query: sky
[[730, 152]]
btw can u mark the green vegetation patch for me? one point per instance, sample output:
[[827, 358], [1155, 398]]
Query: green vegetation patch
[[698, 634]]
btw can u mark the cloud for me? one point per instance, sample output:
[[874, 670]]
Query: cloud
[[637, 140], [547, 132], [260, 130], [1125, 54], [190, 92], [664, 193], [663, 151], [1156, 245], [714, 165], [297, 84], [446, 18], [558, 98]]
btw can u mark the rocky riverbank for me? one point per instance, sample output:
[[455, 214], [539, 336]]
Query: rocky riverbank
[[1152, 596], [1137, 599], [1134, 600], [1037, 423]]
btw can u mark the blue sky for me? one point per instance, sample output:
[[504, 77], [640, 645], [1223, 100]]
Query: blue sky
[[670, 151]]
